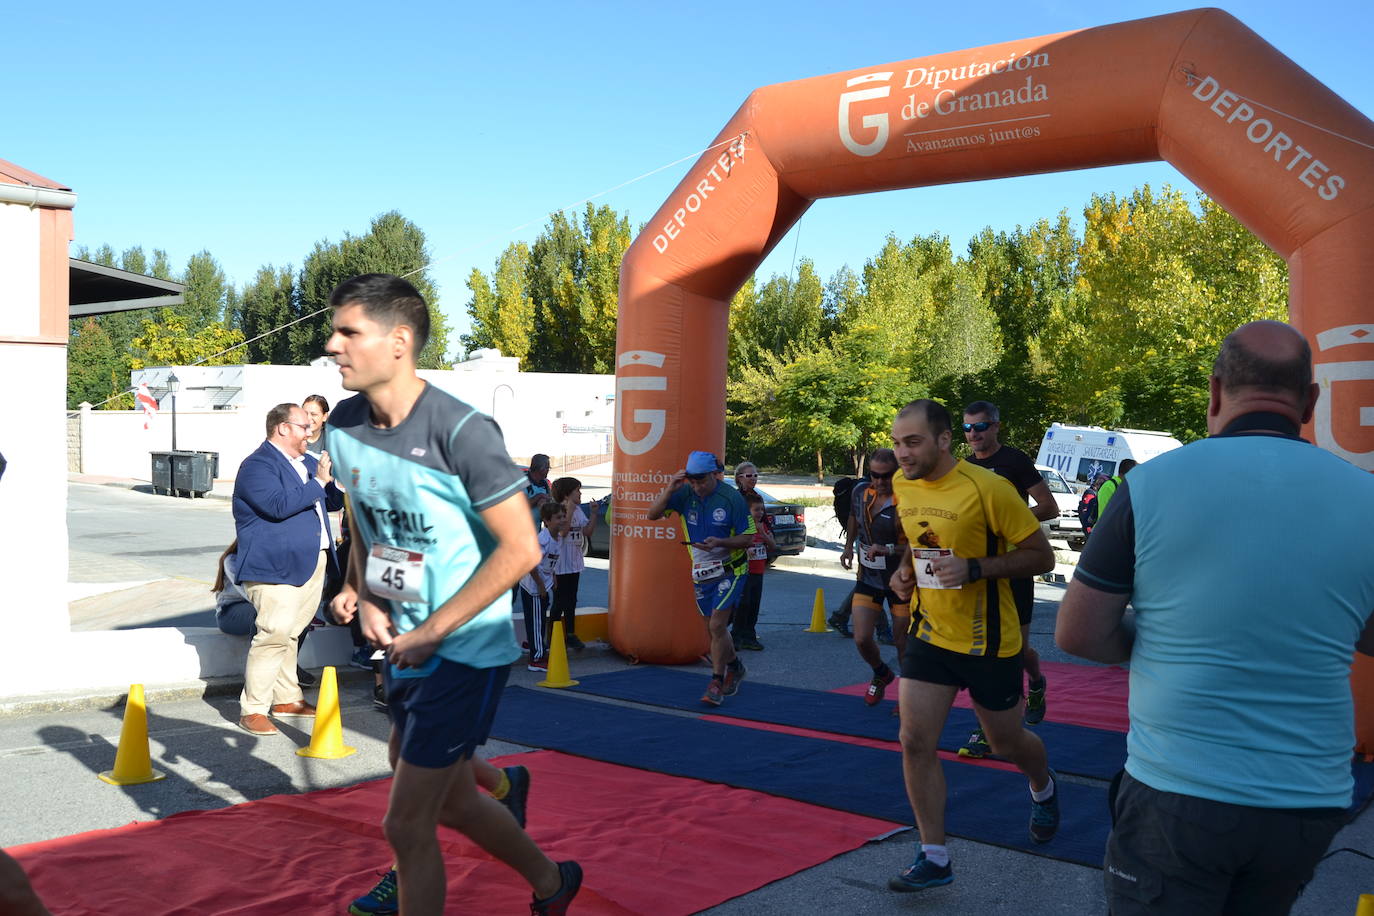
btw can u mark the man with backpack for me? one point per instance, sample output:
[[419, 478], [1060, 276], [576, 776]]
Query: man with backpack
[[1088, 508], [843, 491]]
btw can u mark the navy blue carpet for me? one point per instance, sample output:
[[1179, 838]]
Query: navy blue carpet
[[985, 804], [1093, 752]]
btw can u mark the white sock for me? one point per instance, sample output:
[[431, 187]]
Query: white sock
[[938, 855], [1045, 793]]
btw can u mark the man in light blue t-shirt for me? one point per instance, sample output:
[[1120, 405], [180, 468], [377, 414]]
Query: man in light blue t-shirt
[[1238, 767], [441, 533]]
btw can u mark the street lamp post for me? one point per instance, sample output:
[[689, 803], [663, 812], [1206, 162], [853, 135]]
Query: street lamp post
[[173, 383]]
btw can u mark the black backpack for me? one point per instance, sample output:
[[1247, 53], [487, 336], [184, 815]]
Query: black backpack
[[1087, 509], [844, 490]]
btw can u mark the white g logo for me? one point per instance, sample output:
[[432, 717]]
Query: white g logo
[[875, 121], [656, 419], [1328, 374]]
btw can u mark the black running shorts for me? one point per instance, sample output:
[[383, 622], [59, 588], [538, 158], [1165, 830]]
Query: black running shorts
[[993, 683], [1023, 594]]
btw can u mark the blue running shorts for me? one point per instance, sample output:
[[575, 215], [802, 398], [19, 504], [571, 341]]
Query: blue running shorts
[[718, 594], [446, 715]]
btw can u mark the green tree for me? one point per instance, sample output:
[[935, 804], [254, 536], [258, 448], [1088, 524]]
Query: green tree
[[836, 399], [93, 366], [573, 278], [268, 303], [502, 311], [169, 342], [393, 245], [206, 293]]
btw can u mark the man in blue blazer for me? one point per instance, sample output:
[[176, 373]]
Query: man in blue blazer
[[282, 500]]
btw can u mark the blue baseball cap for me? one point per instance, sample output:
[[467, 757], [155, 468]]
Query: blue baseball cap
[[703, 463]]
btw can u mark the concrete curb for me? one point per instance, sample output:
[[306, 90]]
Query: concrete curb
[[38, 704]]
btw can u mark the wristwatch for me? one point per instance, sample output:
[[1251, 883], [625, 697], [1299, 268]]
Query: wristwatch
[[975, 570]]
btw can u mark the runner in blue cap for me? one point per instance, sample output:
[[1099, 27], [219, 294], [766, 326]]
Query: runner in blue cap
[[717, 527]]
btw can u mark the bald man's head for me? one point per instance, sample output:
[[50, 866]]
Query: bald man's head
[[1267, 356]]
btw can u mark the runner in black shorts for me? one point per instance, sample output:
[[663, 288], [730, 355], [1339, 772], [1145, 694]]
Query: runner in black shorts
[[962, 523], [982, 423], [873, 523]]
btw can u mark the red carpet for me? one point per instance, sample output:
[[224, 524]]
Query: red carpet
[[648, 844], [1088, 695]]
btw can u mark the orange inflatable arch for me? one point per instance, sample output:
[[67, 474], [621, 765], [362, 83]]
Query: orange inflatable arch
[[1276, 148]]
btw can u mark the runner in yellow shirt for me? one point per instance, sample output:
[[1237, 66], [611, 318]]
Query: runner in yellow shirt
[[960, 522]]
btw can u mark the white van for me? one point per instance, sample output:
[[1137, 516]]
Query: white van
[[1080, 453]]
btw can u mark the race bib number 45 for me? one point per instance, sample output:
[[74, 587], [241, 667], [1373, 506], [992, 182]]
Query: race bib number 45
[[923, 559], [395, 573]]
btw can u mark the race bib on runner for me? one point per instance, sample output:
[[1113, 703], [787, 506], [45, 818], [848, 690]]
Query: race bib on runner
[[708, 570], [395, 573], [575, 536], [923, 559], [758, 551], [879, 562]]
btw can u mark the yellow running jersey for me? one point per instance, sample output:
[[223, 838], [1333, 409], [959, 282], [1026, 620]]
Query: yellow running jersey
[[973, 513]]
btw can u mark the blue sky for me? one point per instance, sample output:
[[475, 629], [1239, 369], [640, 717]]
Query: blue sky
[[256, 129]]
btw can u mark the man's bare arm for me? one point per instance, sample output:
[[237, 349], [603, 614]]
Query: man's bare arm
[[1092, 624], [1045, 508]]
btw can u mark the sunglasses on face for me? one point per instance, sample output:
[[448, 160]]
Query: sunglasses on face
[[696, 476], [748, 475], [979, 427], [882, 475]]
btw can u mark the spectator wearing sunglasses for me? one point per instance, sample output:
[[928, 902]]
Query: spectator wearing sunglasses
[[982, 423]]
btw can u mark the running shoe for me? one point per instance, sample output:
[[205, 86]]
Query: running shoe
[[1044, 820], [1035, 703], [379, 697], [920, 875], [976, 746], [305, 678], [361, 658], [751, 643], [518, 792], [381, 899], [572, 642], [557, 905], [733, 675], [713, 695], [874, 696], [540, 664], [840, 626]]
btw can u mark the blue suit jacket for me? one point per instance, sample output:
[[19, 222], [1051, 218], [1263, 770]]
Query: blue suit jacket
[[274, 514]]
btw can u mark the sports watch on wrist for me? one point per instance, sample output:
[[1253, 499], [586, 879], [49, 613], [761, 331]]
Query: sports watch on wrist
[[975, 570]]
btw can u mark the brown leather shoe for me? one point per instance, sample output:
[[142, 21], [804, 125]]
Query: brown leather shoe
[[297, 710], [258, 724]]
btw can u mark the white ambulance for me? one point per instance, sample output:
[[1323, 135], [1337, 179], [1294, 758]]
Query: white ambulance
[[1080, 453]]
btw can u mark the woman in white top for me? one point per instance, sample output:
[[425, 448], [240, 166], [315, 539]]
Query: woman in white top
[[572, 549], [316, 412]]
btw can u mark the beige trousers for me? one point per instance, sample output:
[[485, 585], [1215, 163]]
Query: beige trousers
[[269, 677]]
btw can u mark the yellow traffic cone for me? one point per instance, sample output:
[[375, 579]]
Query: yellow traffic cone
[[1365, 905], [818, 615], [558, 661], [132, 766], [326, 738]]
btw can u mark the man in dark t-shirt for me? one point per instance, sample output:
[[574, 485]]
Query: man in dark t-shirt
[[982, 422]]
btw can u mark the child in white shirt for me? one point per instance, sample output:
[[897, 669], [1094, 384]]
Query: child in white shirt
[[538, 584]]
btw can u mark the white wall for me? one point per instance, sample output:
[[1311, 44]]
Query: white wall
[[531, 407], [115, 444], [33, 498], [19, 240]]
